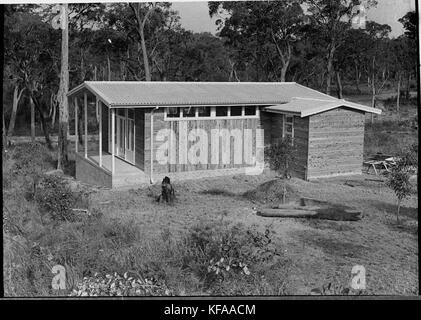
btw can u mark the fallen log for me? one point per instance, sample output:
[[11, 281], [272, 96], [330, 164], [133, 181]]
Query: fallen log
[[334, 212], [374, 180], [286, 213]]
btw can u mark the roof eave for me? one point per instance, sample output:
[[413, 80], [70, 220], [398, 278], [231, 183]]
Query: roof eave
[[76, 89], [85, 86], [299, 113]]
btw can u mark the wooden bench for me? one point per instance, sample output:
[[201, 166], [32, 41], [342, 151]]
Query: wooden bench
[[378, 163], [373, 163]]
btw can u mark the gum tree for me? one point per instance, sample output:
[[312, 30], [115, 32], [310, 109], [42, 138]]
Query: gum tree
[[262, 33], [330, 20]]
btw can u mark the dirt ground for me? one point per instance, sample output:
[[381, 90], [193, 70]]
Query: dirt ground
[[320, 251]]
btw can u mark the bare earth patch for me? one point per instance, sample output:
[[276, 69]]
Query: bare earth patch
[[319, 250]]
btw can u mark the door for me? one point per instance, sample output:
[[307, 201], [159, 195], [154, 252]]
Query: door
[[130, 140], [120, 137], [124, 134]]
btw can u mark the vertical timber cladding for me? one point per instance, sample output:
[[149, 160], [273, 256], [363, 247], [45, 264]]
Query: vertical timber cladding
[[336, 140], [183, 127], [277, 128], [104, 110], [272, 123], [266, 125], [139, 119], [301, 142]]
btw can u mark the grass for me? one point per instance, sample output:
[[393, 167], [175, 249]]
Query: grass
[[210, 257], [177, 247]]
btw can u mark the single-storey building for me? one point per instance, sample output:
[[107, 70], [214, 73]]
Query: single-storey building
[[188, 130]]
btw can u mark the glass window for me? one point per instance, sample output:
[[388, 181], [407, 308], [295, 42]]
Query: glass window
[[173, 112], [130, 127], [204, 111], [131, 113], [221, 111], [121, 112], [188, 112], [250, 111], [288, 126], [236, 111]]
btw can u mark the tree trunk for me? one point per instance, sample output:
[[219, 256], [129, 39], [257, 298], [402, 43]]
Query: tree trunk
[[4, 135], [109, 67], [284, 193], [284, 70], [16, 98], [80, 124], [328, 78], [329, 69], [44, 124], [53, 116], [122, 70], [373, 101], [373, 95], [145, 57], [257, 71], [339, 84], [285, 57], [64, 87], [398, 94], [397, 212], [140, 28], [408, 86], [357, 79], [32, 119]]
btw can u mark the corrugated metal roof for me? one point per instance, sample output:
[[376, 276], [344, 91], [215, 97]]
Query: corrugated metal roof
[[277, 96], [154, 93], [306, 107]]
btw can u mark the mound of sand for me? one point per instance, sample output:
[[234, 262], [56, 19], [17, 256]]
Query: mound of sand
[[271, 192]]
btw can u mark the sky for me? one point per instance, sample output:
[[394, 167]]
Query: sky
[[195, 15]]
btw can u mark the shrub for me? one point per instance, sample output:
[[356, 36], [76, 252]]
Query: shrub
[[217, 253], [281, 155], [409, 157], [31, 158], [55, 197], [117, 285], [30, 161]]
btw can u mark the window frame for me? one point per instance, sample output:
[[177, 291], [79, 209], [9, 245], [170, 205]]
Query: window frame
[[203, 117], [212, 113], [285, 123]]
